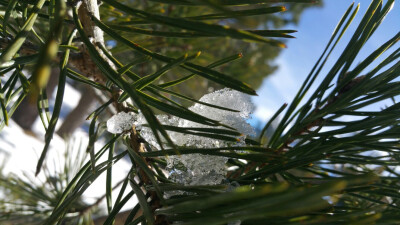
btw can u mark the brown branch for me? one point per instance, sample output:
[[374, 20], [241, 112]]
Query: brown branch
[[87, 10], [26, 49], [80, 61], [138, 146]]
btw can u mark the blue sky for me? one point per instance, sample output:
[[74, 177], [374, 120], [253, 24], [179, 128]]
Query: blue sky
[[314, 30]]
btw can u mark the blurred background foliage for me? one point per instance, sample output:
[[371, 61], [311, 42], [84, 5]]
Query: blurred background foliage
[[255, 64], [257, 60]]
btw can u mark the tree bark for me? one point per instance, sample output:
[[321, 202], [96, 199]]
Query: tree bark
[[86, 66], [77, 116]]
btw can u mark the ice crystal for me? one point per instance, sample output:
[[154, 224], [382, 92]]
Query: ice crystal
[[229, 99], [206, 169], [198, 169], [120, 122], [146, 132]]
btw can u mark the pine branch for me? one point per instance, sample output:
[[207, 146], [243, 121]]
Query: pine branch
[[316, 167]]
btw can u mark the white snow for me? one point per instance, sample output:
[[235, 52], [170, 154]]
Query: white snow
[[121, 122]]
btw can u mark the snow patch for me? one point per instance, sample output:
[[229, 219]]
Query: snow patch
[[121, 122]]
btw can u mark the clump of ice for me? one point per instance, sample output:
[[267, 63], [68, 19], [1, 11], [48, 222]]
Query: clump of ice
[[198, 169], [147, 134], [229, 99], [121, 122]]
